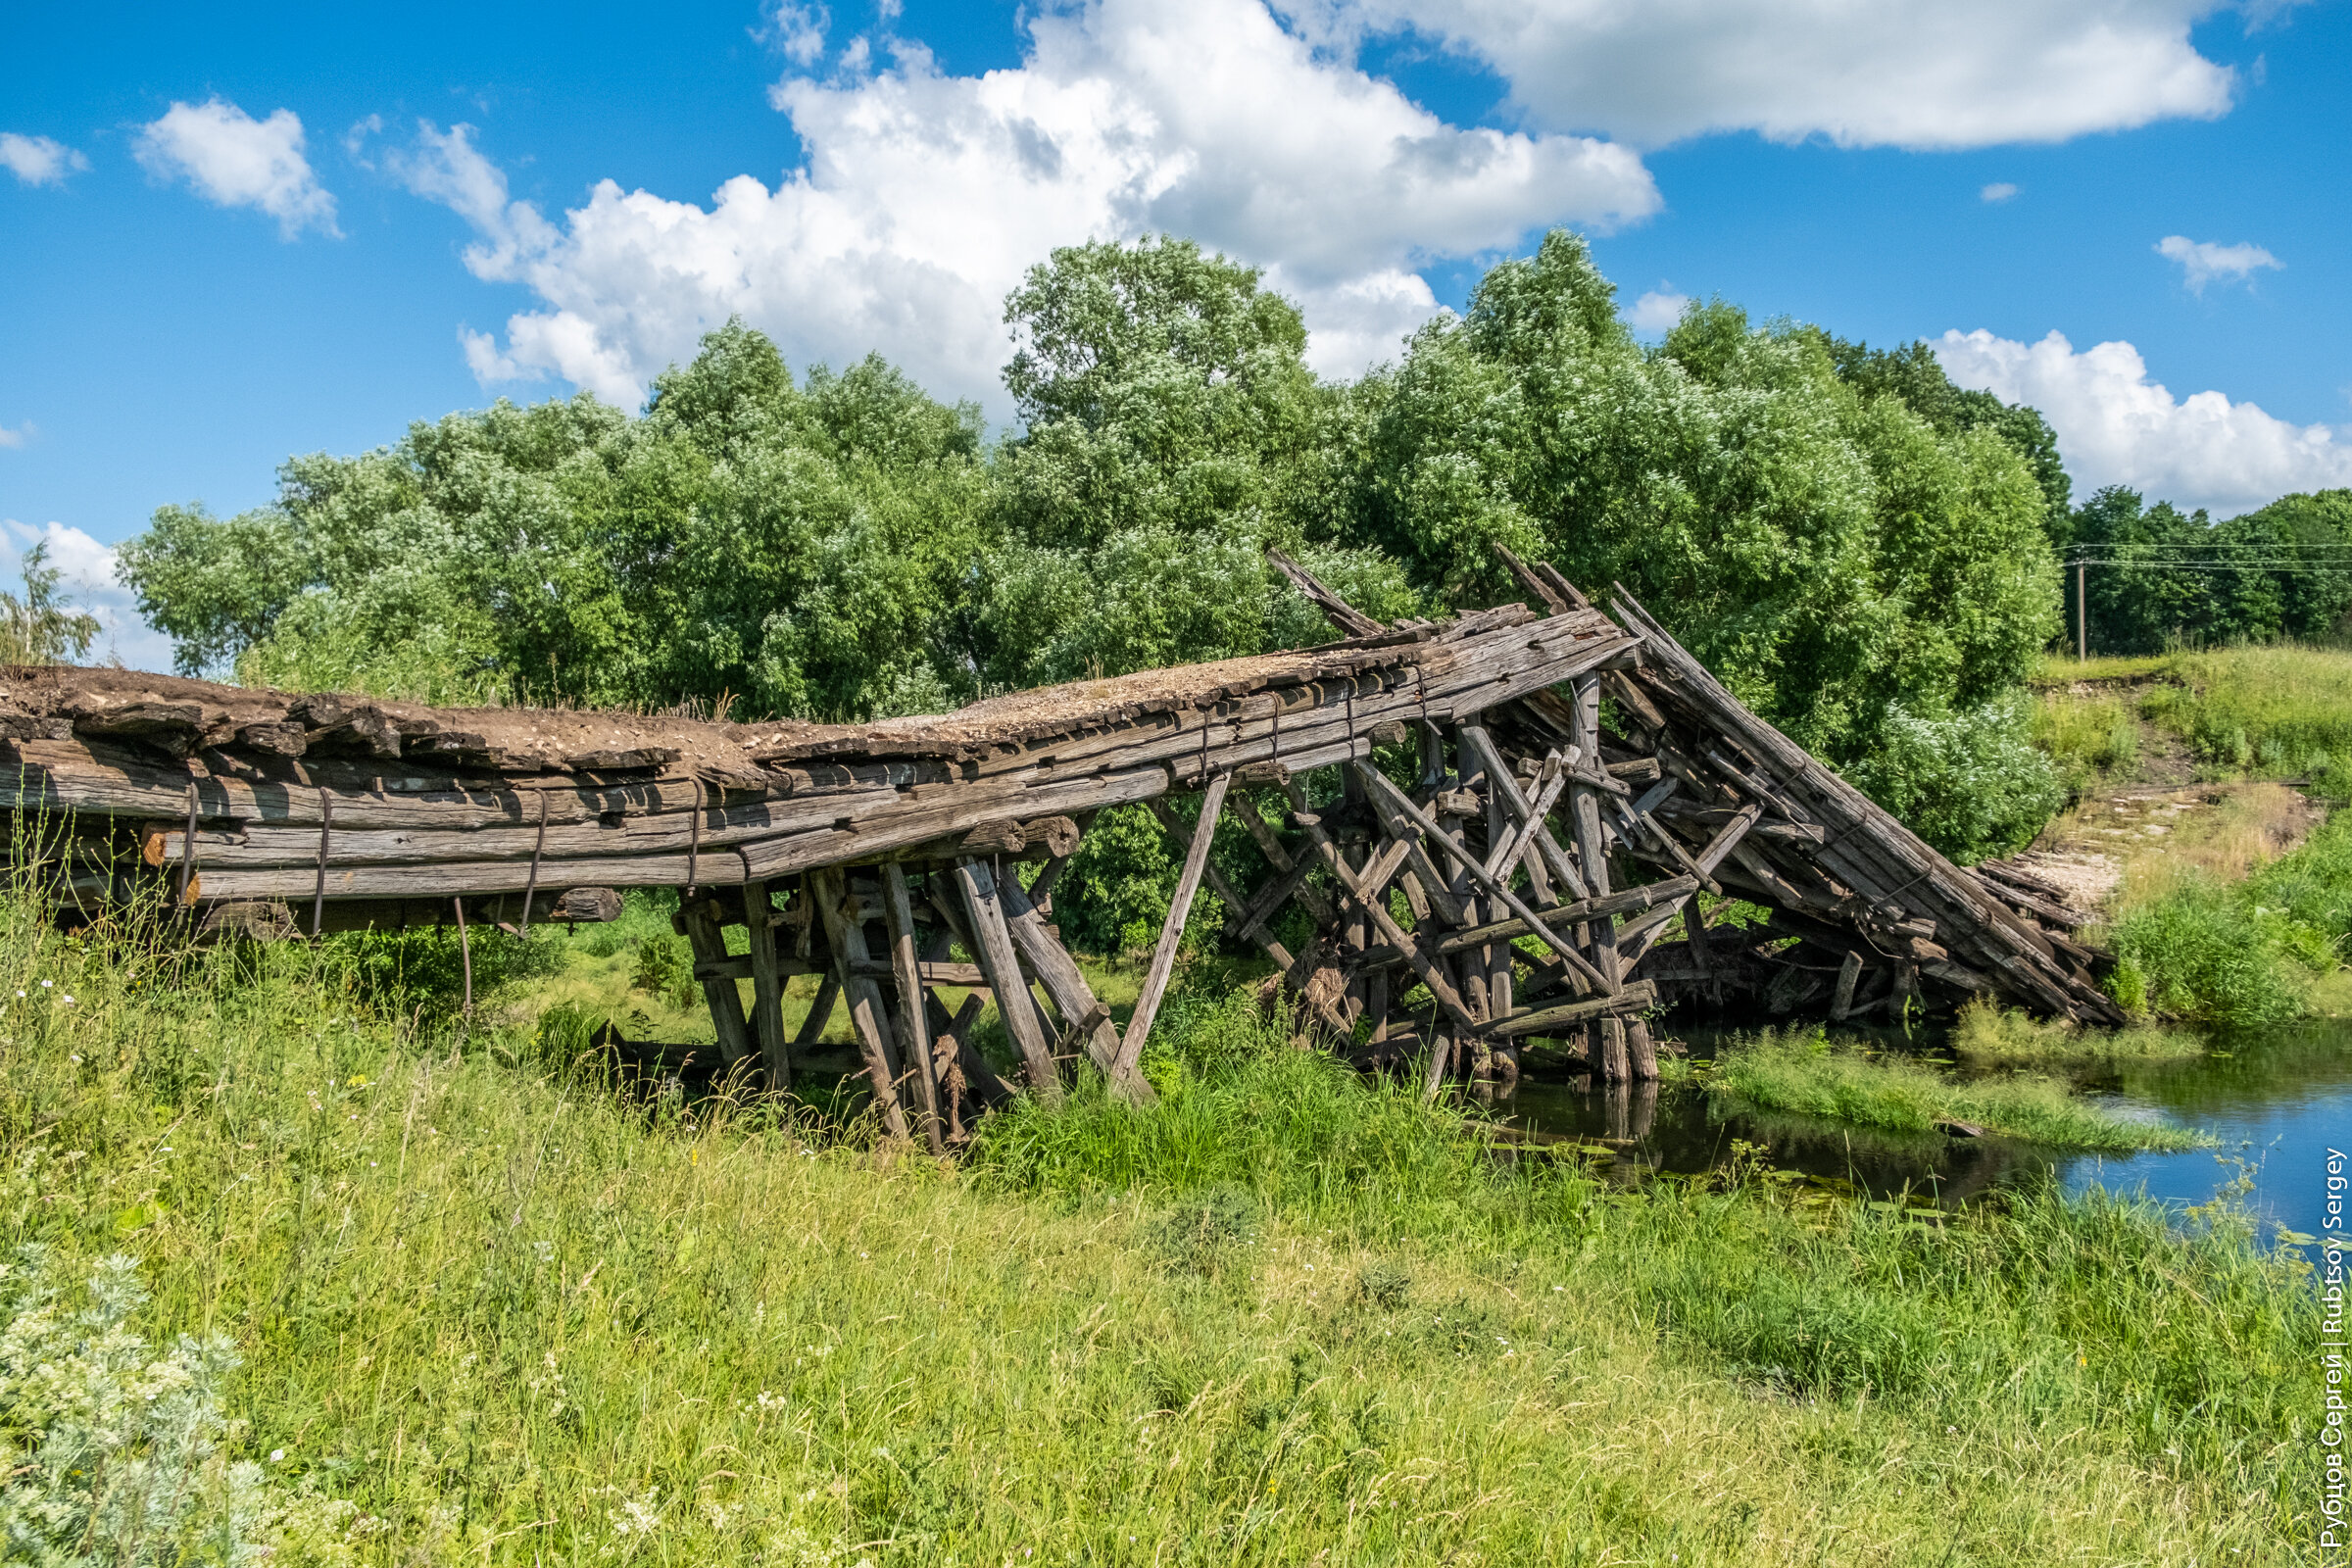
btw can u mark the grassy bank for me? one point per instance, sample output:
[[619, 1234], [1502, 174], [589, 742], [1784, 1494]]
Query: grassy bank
[[2259, 950], [2223, 910], [1804, 1073], [486, 1310], [2278, 711]]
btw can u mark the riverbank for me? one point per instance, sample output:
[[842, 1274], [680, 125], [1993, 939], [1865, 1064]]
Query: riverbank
[[487, 1307]]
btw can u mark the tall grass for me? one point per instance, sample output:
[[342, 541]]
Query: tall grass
[[2244, 952], [2282, 710], [2275, 710], [1283, 1316], [1804, 1073], [1987, 1036]]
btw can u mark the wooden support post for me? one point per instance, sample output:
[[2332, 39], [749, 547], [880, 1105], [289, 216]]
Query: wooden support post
[[1250, 917], [1171, 931], [1384, 791], [709, 943], [915, 1034], [1244, 812], [1849, 975], [1499, 978], [767, 986], [820, 1013], [1532, 822], [997, 961], [1441, 1062], [1641, 1052], [1593, 847], [1611, 1058], [845, 936], [1416, 947], [1082, 1012], [1694, 937]]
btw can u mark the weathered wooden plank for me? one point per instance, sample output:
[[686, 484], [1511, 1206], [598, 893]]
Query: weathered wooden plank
[[1171, 931], [897, 913], [847, 939], [992, 946]]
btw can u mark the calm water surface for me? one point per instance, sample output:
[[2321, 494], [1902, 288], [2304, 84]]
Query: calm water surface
[[2278, 1101]]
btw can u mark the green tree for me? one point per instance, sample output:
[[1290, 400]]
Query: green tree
[[1172, 431], [43, 627], [1914, 374], [1831, 554]]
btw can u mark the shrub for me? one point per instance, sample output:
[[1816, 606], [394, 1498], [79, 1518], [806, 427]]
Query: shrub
[[1972, 783], [114, 1452]]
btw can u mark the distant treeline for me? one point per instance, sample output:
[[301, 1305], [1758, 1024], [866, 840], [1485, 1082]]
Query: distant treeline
[[2157, 576], [1865, 551]]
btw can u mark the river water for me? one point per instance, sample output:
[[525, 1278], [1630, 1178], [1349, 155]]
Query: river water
[[2278, 1101]]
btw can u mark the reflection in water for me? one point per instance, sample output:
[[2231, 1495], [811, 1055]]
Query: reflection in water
[[2278, 1101]]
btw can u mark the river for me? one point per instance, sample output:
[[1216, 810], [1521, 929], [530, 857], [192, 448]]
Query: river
[[2278, 1101]]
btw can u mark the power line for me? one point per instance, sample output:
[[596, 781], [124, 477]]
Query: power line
[[2219, 565]]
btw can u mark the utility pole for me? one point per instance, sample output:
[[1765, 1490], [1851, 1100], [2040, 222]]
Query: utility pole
[[2082, 615]]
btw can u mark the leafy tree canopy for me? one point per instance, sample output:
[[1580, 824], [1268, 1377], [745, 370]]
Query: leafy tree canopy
[[1849, 538]]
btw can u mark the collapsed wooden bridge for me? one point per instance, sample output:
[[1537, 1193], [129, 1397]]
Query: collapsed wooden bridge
[[1538, 878]]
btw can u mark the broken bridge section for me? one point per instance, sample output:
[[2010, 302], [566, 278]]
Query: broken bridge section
[[1463, 840]]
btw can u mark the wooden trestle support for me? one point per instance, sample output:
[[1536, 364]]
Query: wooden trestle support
[[1538, 879]]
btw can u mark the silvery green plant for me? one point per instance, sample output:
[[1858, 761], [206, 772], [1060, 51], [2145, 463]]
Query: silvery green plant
[[112, 1449]]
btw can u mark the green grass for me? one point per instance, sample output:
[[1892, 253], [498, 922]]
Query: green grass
[[1804, 1073], [1284, 1316], [1985, 1035], [2245, 953], [2279, 710]]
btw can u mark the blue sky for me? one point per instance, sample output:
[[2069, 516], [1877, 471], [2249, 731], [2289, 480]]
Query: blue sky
[[228, 238]]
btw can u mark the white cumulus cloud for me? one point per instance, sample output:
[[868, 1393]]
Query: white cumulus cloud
[[38, 160], [1859, 72], [2203, 263], [923, 197], [2000, 190], [1657, 310], [234, 160], [86, 577], [2117, 426]]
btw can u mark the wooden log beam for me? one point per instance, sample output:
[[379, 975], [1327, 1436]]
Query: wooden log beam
[[1350, 619], [1634, 997], [1378, 783], [847, 939], [1555, 859], [767, 986], [1082, 1013], [1427, 965], [991, 944], [1633, 901], [913, 1029], [710, 941], [1171, 932]]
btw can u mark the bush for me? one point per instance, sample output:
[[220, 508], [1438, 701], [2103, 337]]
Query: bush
[[1972, 784], [422, 972], [112, 1451]]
